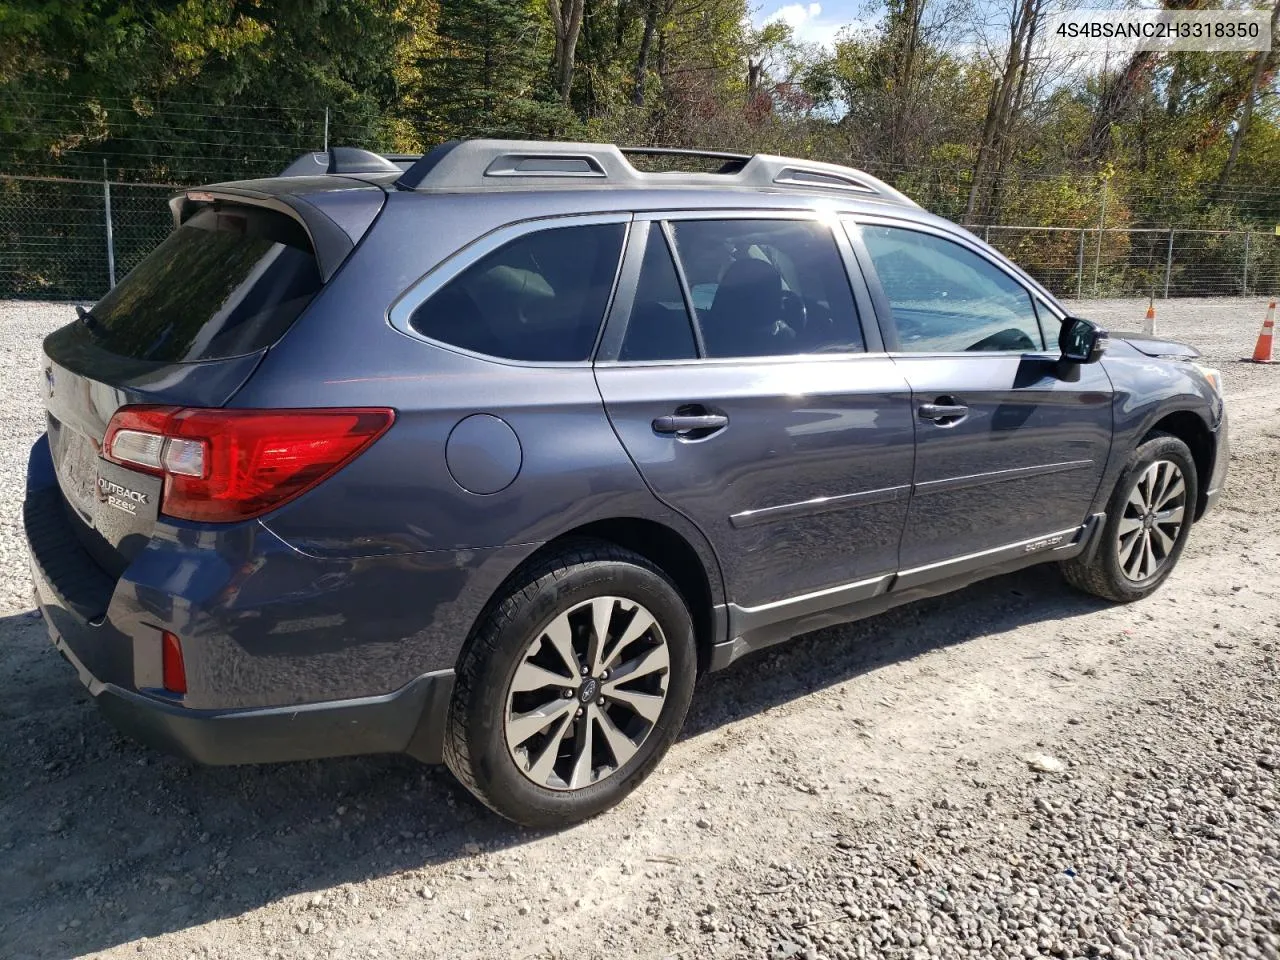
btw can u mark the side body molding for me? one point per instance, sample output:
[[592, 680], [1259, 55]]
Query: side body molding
[[754, 628]]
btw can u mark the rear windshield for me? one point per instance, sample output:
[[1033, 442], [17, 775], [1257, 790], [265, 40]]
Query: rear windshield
[[227, 282]]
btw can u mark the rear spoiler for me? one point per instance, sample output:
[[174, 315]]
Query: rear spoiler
[[348, 160], [335, 215]]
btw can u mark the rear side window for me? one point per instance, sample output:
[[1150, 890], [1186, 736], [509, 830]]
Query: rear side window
[[658, 328], [765, 288], [539, 298], [229, 281]]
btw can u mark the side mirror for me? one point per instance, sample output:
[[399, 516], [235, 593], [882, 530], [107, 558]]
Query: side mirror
[[1082, 341]]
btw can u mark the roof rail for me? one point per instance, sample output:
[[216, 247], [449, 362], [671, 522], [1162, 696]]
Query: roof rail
[[477, 164], [733, 161]]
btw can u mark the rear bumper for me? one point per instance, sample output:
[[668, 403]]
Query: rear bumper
[[410, 720], [287, 657]]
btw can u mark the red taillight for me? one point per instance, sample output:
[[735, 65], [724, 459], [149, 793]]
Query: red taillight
[[224, 465], [174, 670]]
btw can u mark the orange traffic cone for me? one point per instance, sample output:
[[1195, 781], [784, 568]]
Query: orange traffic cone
[[1149, 324], [1262, 352]]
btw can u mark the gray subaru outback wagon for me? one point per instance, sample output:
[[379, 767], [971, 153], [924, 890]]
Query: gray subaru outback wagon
[[483, 456]]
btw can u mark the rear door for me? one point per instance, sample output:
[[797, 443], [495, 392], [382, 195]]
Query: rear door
[[742, 383], [186, 327], [1010, 443]]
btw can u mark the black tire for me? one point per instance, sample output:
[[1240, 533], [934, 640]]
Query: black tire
[[475, 747], [1101, 573]]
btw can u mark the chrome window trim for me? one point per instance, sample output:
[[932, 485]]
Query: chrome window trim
[[743, 213], [1045, 354], [430, 283], [738, 361]]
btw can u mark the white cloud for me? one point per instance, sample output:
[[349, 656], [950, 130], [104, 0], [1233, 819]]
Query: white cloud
[[808, 24]]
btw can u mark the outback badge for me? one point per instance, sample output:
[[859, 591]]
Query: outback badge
[[120, 497], [1044, 544]]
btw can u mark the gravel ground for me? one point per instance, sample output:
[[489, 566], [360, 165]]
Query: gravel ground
[[866, 791]]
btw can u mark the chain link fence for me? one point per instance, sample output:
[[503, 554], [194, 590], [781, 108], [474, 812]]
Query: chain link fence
[[63, 239], [1079, 263], [71, 239]]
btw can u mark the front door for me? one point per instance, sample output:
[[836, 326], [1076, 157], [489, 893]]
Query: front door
[[1010, 443], [738, 378]]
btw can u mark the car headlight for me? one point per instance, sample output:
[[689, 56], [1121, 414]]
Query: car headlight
[[1213, 376]]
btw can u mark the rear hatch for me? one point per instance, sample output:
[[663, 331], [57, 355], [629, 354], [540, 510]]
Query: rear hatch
[[185, 328]]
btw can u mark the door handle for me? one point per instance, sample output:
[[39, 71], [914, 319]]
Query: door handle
[[945, 412], [681, 424]]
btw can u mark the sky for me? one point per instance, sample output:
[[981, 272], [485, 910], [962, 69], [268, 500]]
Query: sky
[[820, 22], [813, 22]]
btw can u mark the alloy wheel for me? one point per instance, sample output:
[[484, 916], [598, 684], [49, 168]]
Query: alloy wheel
[[587, 693], [1152, 519]]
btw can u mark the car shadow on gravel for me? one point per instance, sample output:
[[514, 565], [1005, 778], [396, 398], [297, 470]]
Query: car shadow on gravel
[[104, 842], [836, 655]]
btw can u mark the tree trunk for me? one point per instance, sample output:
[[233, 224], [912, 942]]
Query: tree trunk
[[1264, 63], [1117, 96], [566, 21], [999, 119], [620, 23], [1007, 131], [980, 162], [487, 67], [1115, 103], [904, 76], [642, 58]]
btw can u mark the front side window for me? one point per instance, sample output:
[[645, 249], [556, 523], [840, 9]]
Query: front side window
[[945, 298], [767, 287], [539, 298]]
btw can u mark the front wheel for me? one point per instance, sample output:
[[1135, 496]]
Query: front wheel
[[1148, 520], [573, 687]]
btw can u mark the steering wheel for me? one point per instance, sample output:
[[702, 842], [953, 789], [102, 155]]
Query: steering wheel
[[794, 312]]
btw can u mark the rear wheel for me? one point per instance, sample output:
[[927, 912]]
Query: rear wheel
[[573, 687], [1148, 520]]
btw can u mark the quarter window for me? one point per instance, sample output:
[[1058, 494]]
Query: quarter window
[[540, 297], [1050, 324], [767, 287], [945, 298]]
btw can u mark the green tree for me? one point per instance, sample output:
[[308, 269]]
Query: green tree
[[484, 75], [193, 90]]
